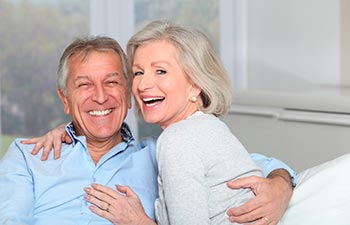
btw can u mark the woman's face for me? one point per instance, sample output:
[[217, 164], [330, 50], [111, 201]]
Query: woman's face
[[160, 85]]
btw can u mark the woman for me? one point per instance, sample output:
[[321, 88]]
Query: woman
[[180, 84]]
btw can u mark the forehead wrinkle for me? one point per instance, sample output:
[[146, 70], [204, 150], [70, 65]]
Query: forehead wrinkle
[[107, 75]]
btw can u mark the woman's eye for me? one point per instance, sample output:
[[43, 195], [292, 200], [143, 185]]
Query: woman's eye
[[161, 72], [138, 73]]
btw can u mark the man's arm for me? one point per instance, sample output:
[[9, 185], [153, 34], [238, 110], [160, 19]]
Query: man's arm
[[16, 192], [272, 193], [269, 165]]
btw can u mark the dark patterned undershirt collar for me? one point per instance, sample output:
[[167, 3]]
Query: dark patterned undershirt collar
[[125, 133]]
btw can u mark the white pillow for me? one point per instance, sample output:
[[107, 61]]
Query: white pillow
[[322, 195]]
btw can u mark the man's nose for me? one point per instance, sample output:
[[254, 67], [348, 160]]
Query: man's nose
[[100, 94]]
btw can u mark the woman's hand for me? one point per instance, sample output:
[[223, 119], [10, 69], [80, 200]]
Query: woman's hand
[[121, 208], [53, 138], [268, 206]]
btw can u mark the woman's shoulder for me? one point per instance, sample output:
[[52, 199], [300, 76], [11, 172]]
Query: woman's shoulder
[[198, 119]]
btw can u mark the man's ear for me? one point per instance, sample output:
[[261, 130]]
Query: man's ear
[[64, 100]]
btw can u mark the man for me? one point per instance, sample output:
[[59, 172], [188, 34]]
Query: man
[[94, 87]]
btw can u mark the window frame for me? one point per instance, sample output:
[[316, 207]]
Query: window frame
[[233, 54]]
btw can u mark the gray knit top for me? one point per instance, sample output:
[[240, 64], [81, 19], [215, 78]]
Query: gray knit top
[[196, 157]]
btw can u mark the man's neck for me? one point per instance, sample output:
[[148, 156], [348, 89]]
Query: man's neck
[[99, 149]]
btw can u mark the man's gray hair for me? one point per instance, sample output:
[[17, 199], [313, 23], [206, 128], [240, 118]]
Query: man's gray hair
[[84, 46]]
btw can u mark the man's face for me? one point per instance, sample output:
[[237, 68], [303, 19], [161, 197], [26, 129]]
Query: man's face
[[97, 98]]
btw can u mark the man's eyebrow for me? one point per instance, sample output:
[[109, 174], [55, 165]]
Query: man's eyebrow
[[81, 77]]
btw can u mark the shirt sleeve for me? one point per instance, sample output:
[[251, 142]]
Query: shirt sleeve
[[16, 192], [267, 165]]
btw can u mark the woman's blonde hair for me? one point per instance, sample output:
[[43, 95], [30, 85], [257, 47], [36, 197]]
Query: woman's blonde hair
[[197, 58]]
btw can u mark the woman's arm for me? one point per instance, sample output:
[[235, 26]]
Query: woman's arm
[[53, 138]]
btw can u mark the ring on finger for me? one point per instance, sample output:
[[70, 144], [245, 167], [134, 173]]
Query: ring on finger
[[266, 220], [107, 209]]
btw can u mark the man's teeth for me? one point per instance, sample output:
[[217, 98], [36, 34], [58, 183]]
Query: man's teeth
[[100, 112]]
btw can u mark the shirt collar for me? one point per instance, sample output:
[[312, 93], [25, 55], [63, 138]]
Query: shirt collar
[[126, 134]]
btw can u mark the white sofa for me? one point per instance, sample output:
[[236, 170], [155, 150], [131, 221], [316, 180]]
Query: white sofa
[[322, 196]]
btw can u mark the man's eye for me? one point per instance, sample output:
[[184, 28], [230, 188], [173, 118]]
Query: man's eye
[[138, 73], [83, 84], [161, 72], [112, 82]]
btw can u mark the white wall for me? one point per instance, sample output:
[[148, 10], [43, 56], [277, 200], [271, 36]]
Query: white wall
[[301, 139], [290, 66]]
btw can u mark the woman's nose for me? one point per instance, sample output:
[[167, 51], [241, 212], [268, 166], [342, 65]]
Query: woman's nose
[[144, 82]]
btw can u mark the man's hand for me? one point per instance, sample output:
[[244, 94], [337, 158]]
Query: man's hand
[[272, 197]]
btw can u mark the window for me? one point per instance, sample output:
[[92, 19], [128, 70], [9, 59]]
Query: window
[[31, 47], [291, 54], [33, 36]]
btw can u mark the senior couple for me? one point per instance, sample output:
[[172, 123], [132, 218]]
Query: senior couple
[[196, 173]]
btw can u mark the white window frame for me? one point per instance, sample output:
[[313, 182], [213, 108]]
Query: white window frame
[[233, 56], [232, 41]]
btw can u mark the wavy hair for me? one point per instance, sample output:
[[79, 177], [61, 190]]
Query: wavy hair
[[198, 59]]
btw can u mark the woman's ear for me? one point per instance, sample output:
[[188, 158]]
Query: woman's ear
[[195, 91]]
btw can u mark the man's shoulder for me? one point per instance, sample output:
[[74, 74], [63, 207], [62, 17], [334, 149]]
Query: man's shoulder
[[17, 147], [145, 146], [149, 142], [18, 151]]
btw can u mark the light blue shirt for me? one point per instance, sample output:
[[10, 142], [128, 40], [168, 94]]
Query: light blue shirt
[[267, 165], [51, 192]]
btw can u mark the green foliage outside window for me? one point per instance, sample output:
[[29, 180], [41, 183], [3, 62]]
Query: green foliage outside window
[[33, 37]]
